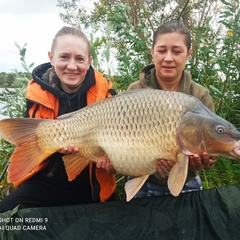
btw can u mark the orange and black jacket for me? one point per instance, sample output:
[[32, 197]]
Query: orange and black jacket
[[46, 99]]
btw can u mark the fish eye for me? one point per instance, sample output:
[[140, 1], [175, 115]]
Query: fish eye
[[220, 129]]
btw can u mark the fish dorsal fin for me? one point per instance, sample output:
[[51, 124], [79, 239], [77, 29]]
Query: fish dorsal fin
[[132, 186], [74, 165], [178, 174]]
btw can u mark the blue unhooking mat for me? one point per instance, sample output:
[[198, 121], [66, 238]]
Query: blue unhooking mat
[[209, 214]]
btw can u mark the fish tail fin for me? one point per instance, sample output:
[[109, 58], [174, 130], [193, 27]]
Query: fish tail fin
[[14, 130], [74, 165], [178, 175], [132, 186], [27, 154]]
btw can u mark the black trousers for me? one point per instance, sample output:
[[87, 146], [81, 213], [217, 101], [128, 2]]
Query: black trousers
[[51, 188]]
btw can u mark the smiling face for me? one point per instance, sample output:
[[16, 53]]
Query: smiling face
[[170, 55], [71, 61]]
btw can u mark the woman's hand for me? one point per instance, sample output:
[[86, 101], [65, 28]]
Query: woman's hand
[[164, 167], [69, 150], [196, 163], [105, 164]]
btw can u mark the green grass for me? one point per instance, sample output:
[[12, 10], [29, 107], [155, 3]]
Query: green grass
[[225, 172]]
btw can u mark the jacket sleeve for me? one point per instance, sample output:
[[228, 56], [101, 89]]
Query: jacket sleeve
[[28, 107], [111, 91]]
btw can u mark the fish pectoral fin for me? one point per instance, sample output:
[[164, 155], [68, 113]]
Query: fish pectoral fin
[[74, 165], [132, 186], [178, 174]]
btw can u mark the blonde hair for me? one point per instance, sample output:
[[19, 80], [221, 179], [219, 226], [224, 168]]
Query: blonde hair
[[70, 31]]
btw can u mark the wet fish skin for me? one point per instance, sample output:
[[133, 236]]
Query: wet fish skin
[[134, 130]]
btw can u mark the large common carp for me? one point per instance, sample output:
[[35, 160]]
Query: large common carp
[[133, 129]]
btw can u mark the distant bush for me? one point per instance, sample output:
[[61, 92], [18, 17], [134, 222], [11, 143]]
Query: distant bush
[[13, 99]]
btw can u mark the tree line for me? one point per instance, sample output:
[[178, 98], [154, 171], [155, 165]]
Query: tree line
[[9, 80]]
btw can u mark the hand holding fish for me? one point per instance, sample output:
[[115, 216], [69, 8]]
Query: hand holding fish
[[196, 163], [164, 167], [105, 164], [69, 150], [204, 161]]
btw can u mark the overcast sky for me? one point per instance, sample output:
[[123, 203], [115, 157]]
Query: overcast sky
[[34, 22]]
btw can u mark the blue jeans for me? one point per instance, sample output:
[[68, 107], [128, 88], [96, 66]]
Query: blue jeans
[[149, 189]]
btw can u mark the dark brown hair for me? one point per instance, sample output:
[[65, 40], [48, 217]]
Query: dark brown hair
[[170, 27]]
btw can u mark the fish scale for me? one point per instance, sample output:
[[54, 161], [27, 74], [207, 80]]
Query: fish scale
[[137, 125]]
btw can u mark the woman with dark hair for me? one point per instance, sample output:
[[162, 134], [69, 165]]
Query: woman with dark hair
[[171, 49]]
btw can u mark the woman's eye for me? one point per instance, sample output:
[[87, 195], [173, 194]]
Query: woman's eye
[[63, 57]]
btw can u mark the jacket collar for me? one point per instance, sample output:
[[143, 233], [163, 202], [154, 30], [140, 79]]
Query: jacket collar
[[148, 79]]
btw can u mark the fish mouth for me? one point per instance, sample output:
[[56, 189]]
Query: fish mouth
[[236, 151]]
